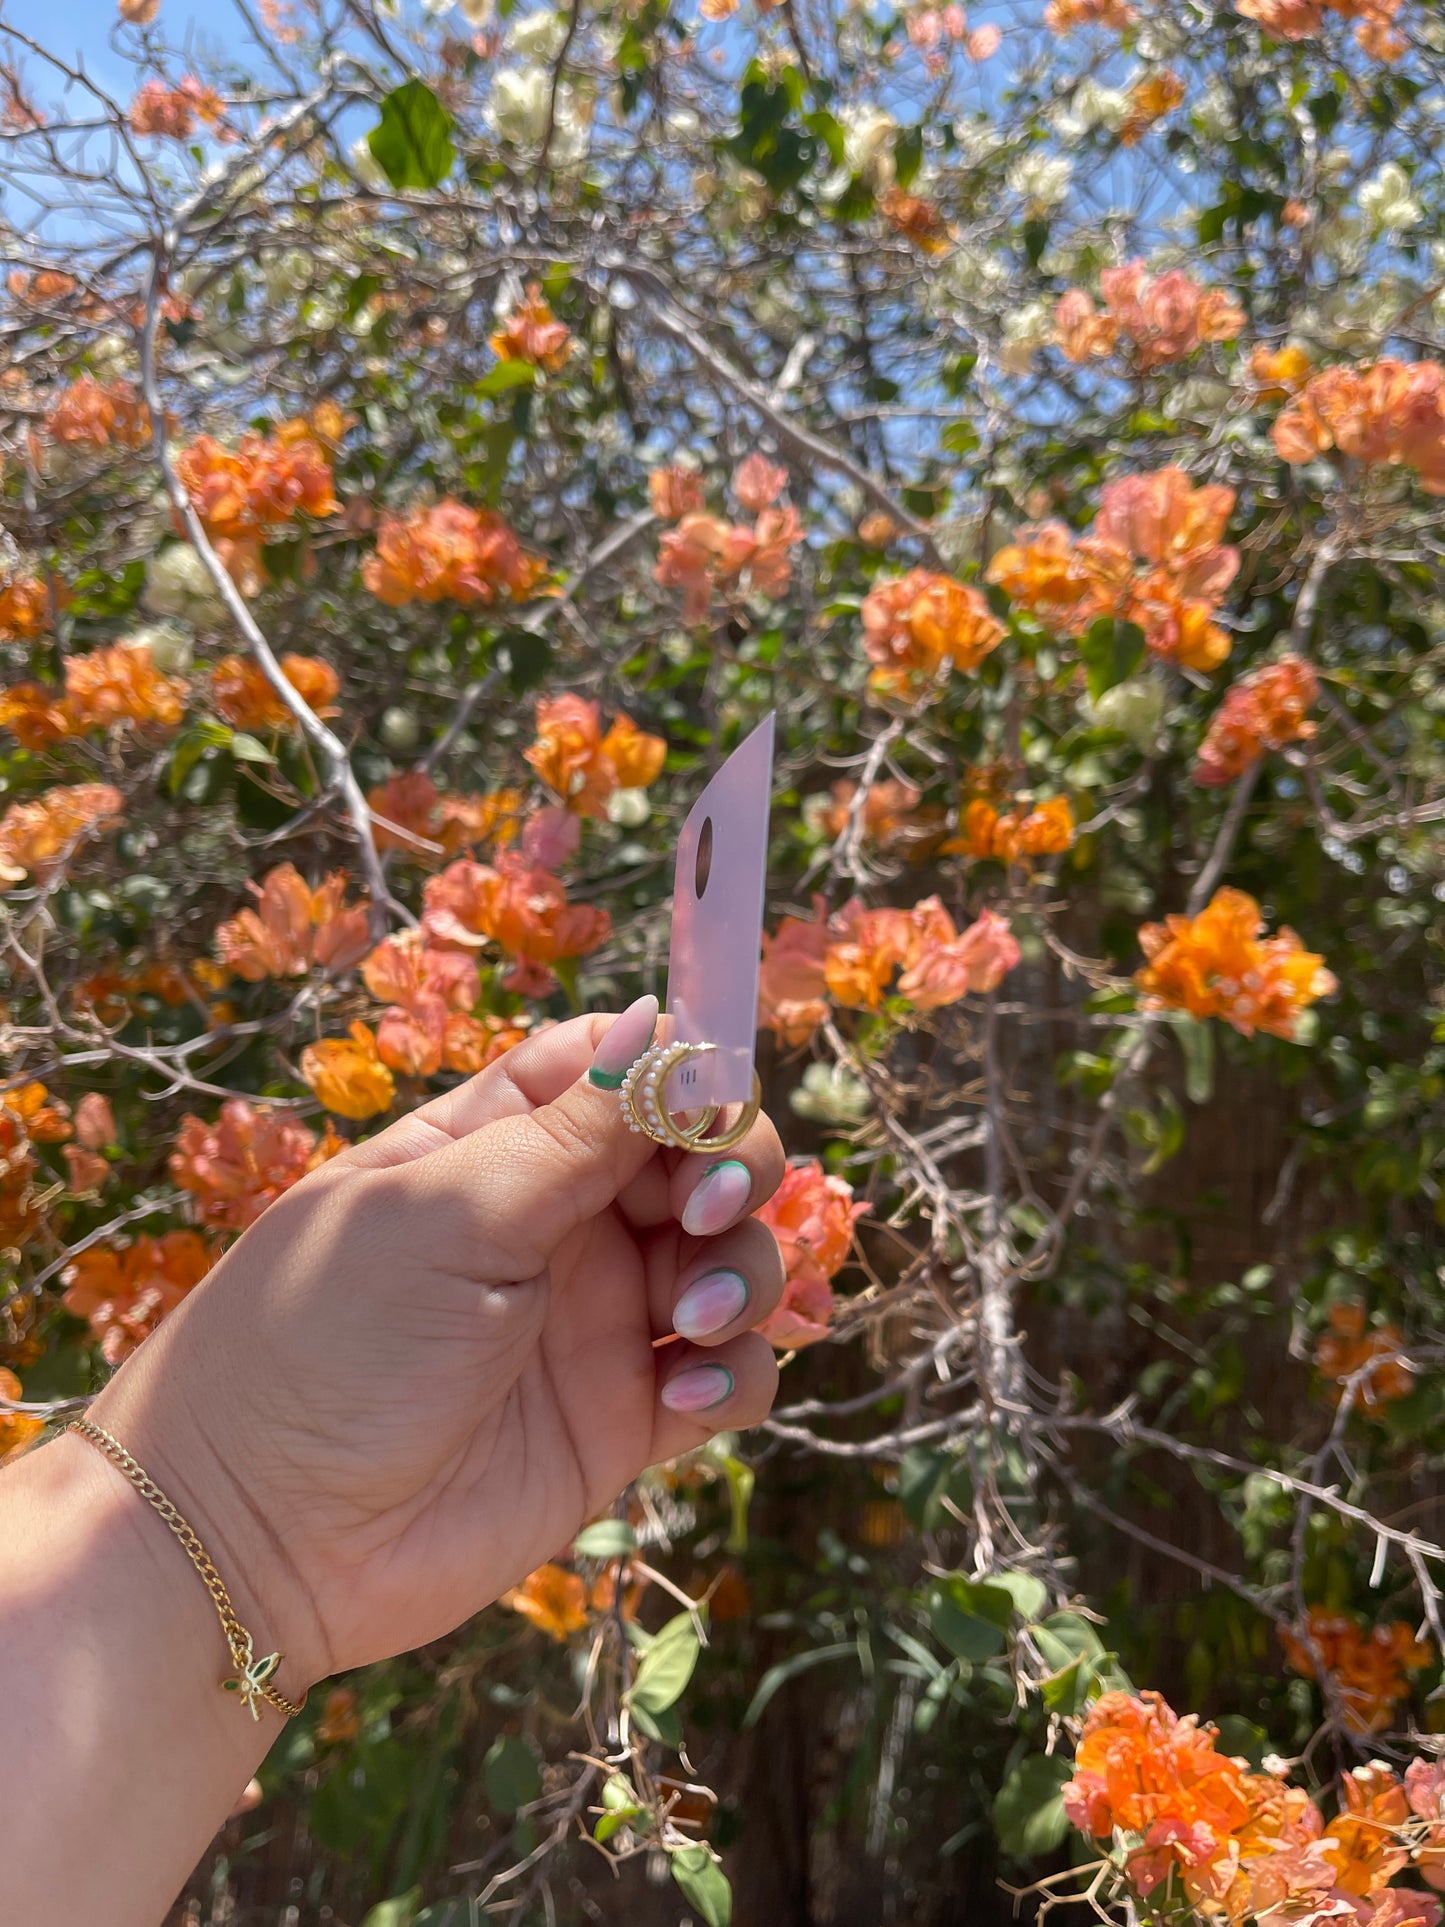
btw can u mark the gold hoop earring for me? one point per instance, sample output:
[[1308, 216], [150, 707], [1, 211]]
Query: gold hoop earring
[[644, 1102]]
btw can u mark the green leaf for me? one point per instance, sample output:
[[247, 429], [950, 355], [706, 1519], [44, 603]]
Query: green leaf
[[908, 155], [703, 1884], [507, 375], [1196, 1040], [741, 1479], [966, 1622], [412, 142], [250, 749], [605, 1539], [1064, 1637], [666, 1666], [787, 1669], [512, 1773], [1111, 652], [665, 1728], [529, 657], [925, 1479], [398, 1912], [1028, 1814], [1028, 1593]]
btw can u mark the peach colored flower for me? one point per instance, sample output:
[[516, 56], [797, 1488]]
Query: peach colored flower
[[470, 1044], [1388, 413], [294, 928], [244, 698], [583, 767], [87, 1170], [1063, 16], [792, 987], [1263, 711], [125, 1291], [915, 623], [803, 1315], [411, 803], [674, 492], [38, 838], [173, 112], [757, 483], [243, 1162], [978, 961], [1043, 829], [522, 909], [1163, 319], [550, 836], [24, 609], [94, 1122], [260, 487], [1278, 372], [95, 414], [18, 1430], [917, 219], [1375, 29], [449, 553], [812, 1217], [1150, 99], [347, 1074], [1219, 965], [1369, 1666], [532, 333], [1347, 1347]]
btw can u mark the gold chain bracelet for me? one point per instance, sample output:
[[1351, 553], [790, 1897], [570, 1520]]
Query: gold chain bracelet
[[251, 1678]]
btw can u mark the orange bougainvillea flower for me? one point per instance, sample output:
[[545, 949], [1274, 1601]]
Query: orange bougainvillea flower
[[251, 492], [583, 767], [1063, 16], [1264, 711], [1219, 965], [348, 1076], [1387, 413], [917, 219], [340, 1717], [1027, 831], [18, 1430], [1150, 99], [110, 686], [449, 553], [518, 906], [95, 1122], [939, 964], [1347, 1347], [427, 989], [1277, 372], [244, 698], [532, 333], [1154, 557], [37, 838], [125, 1291], [45, 1120], [554, 1599], [412, 804], [917, 622], [1375, 28], [243, 1162], [705, 554], [24, 609], [812, 1216], [294, 928], [1369, 1665], [97, 414]]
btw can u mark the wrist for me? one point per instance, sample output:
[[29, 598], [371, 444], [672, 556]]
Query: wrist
[[266, 1591]]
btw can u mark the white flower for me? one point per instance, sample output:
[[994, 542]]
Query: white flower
[[628, 808], [1387, 203], [1025, 331], [1092, 105], [179, 584], [868, 144], [537, 36], [517, 109], [169, 644], [1214, 112], [1040, 179], [831, 1094], [436, 6]]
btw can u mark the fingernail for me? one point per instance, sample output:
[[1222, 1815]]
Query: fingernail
[[698, 1389], [724, 1190], [620, 1049], [709, 1304]]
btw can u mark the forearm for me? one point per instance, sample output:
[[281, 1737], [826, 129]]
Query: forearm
[[121, 1754]]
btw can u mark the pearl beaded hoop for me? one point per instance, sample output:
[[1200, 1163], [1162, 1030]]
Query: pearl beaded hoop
[[644, 1102]]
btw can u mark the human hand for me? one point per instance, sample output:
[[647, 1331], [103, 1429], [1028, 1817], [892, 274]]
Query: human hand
[[431, 1362]]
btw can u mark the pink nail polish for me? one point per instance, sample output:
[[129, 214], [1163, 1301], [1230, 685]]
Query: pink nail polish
[[710, 1304], [698, 1389], [721, 1196], [620, 1049]]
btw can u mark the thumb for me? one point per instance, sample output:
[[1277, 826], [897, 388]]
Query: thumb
[[531, 1176]]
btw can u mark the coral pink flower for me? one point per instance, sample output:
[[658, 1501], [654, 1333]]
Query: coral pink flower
[[812, 1217], [792, 987], [978, 960], [243, 1162], [294, 928], [757, 483], [94, 1121]]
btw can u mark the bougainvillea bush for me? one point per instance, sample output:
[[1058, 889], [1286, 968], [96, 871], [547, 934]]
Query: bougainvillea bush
[[432, 437]]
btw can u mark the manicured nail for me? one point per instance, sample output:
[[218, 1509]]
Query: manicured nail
[[698, 1389], [620, 1049], [709, 1304], [718, 1199]]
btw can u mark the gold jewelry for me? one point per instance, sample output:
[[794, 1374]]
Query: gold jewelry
[[252, 1675], [644, 1102]]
